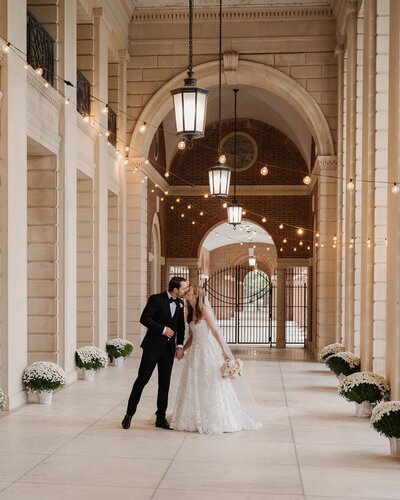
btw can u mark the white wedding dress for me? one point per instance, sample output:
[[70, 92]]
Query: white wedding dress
[[207, 403]]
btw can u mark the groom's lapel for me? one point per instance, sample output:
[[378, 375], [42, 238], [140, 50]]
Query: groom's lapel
[[166, 306]]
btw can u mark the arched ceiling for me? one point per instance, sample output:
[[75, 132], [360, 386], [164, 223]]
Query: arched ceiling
[[179, 4], [253, 103]]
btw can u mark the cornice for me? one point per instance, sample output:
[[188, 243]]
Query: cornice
[[234, 14], [49, 93], [250, 190]]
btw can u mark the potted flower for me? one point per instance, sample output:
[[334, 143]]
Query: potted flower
[[343, 364], [118, 349], [386, 420], [365, 389], [3, 398], [330, 349], [43, 377], [90, 359]]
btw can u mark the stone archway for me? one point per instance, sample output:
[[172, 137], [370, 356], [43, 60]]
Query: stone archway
[[248, 73]]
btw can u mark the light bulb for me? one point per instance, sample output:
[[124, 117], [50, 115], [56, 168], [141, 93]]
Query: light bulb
[[108, 133], [264, 171], [222, 159], [307, 179], [350, 185], [280, 226], [105, 109], [243, 212], [284, 240], [264, 219], [146, 162], [181, 145], [395, 188], [166, 174], [301, 243], [300, 231], [126, 161], [66, 100], [39, 71], [127, 148], [46, 85], [143, 128], [87, 118], [201, 213], [224, 205], [6, 48], [193, 222]]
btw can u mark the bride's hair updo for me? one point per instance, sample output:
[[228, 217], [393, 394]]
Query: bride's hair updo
[[199, 295]]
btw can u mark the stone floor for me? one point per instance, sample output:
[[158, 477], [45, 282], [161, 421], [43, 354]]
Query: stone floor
[[311, 445]]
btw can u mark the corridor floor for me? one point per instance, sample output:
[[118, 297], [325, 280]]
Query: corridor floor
[[311, 445]]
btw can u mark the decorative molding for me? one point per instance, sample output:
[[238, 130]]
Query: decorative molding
[[326, 163], [193, 262], [244, 14], [250, 190], [85, 167], [291, 262], [49, 93]]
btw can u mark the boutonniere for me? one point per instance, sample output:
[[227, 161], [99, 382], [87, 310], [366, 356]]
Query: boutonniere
[[181, 305]]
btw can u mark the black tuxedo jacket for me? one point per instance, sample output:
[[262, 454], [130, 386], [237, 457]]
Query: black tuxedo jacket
[[156, 316]]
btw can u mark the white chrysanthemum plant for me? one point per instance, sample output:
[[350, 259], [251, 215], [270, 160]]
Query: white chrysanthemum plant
[[91, 358], [385, 419], [3, 399], [43, 376], [343, 363], [118, 347], [364, 386], [330, 349]]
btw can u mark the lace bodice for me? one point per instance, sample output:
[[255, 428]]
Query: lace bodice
[[201, 333]]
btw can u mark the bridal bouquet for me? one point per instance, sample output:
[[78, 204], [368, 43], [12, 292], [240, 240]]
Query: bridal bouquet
[[231, 368]]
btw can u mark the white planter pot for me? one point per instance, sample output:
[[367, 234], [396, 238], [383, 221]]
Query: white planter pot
[[394, 447], [364, 409], [45, 397], [118, 361], [88, 374]]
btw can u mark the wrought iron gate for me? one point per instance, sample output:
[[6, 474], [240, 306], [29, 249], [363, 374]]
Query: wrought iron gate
[[242, 301]]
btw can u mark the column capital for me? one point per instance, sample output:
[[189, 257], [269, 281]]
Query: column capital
[[326, 162], [97, 12], [123, 55]]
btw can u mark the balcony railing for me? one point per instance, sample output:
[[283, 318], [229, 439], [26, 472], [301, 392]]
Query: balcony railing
[[82, 94], [112, 126], [40, 48]]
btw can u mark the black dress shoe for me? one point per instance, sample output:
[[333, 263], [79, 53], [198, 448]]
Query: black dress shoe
[[126, 422], [162, 423]]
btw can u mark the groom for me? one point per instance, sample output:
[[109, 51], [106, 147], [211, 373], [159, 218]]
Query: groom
[[164, 320]]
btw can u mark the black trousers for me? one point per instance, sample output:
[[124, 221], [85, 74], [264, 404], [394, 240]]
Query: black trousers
[[150, 359]]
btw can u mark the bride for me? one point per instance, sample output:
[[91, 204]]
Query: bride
[[206, 403]]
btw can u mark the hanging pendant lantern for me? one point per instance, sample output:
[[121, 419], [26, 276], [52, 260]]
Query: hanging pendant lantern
[[219, 178], [190, 101], [234, 210]]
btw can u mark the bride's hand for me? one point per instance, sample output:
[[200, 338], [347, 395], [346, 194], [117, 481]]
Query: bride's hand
[[225, 355]]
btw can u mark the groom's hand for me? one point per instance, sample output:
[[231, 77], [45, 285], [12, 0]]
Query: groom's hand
[[179, 353]]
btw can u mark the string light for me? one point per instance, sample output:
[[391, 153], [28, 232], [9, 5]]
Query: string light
[[264, 220], [307, 179], [281, 226], [222, 159], [395, 188], [166, 174], [350, 185], [39, 71], [264, 171], [6, 48], [181, 145], [143, 128]]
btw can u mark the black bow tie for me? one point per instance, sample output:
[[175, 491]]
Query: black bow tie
[[174, 300]]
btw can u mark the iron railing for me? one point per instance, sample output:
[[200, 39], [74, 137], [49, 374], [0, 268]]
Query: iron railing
[[40, 48], [82, 94], [242, 301], [296, 305]]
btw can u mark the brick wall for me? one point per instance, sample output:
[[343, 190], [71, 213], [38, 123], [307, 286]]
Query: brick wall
[[292, 211]]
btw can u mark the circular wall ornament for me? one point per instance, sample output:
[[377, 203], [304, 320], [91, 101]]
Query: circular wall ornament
[[246, 150]]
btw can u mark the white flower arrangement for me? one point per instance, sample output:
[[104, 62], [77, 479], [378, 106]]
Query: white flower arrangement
[[3, 398], [364, 386], [119, 347], [43, 376], [91, 358], [330, 349], [343, 362], [231, 368], [385, 419]]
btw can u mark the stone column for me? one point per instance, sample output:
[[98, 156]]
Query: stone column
[[123, 58], [393, 267], [326, 258], [100, 90], [368, 188], [13, 204], [339, 52], [349, 250], [280, 307], [68, 195], [136, 261]]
